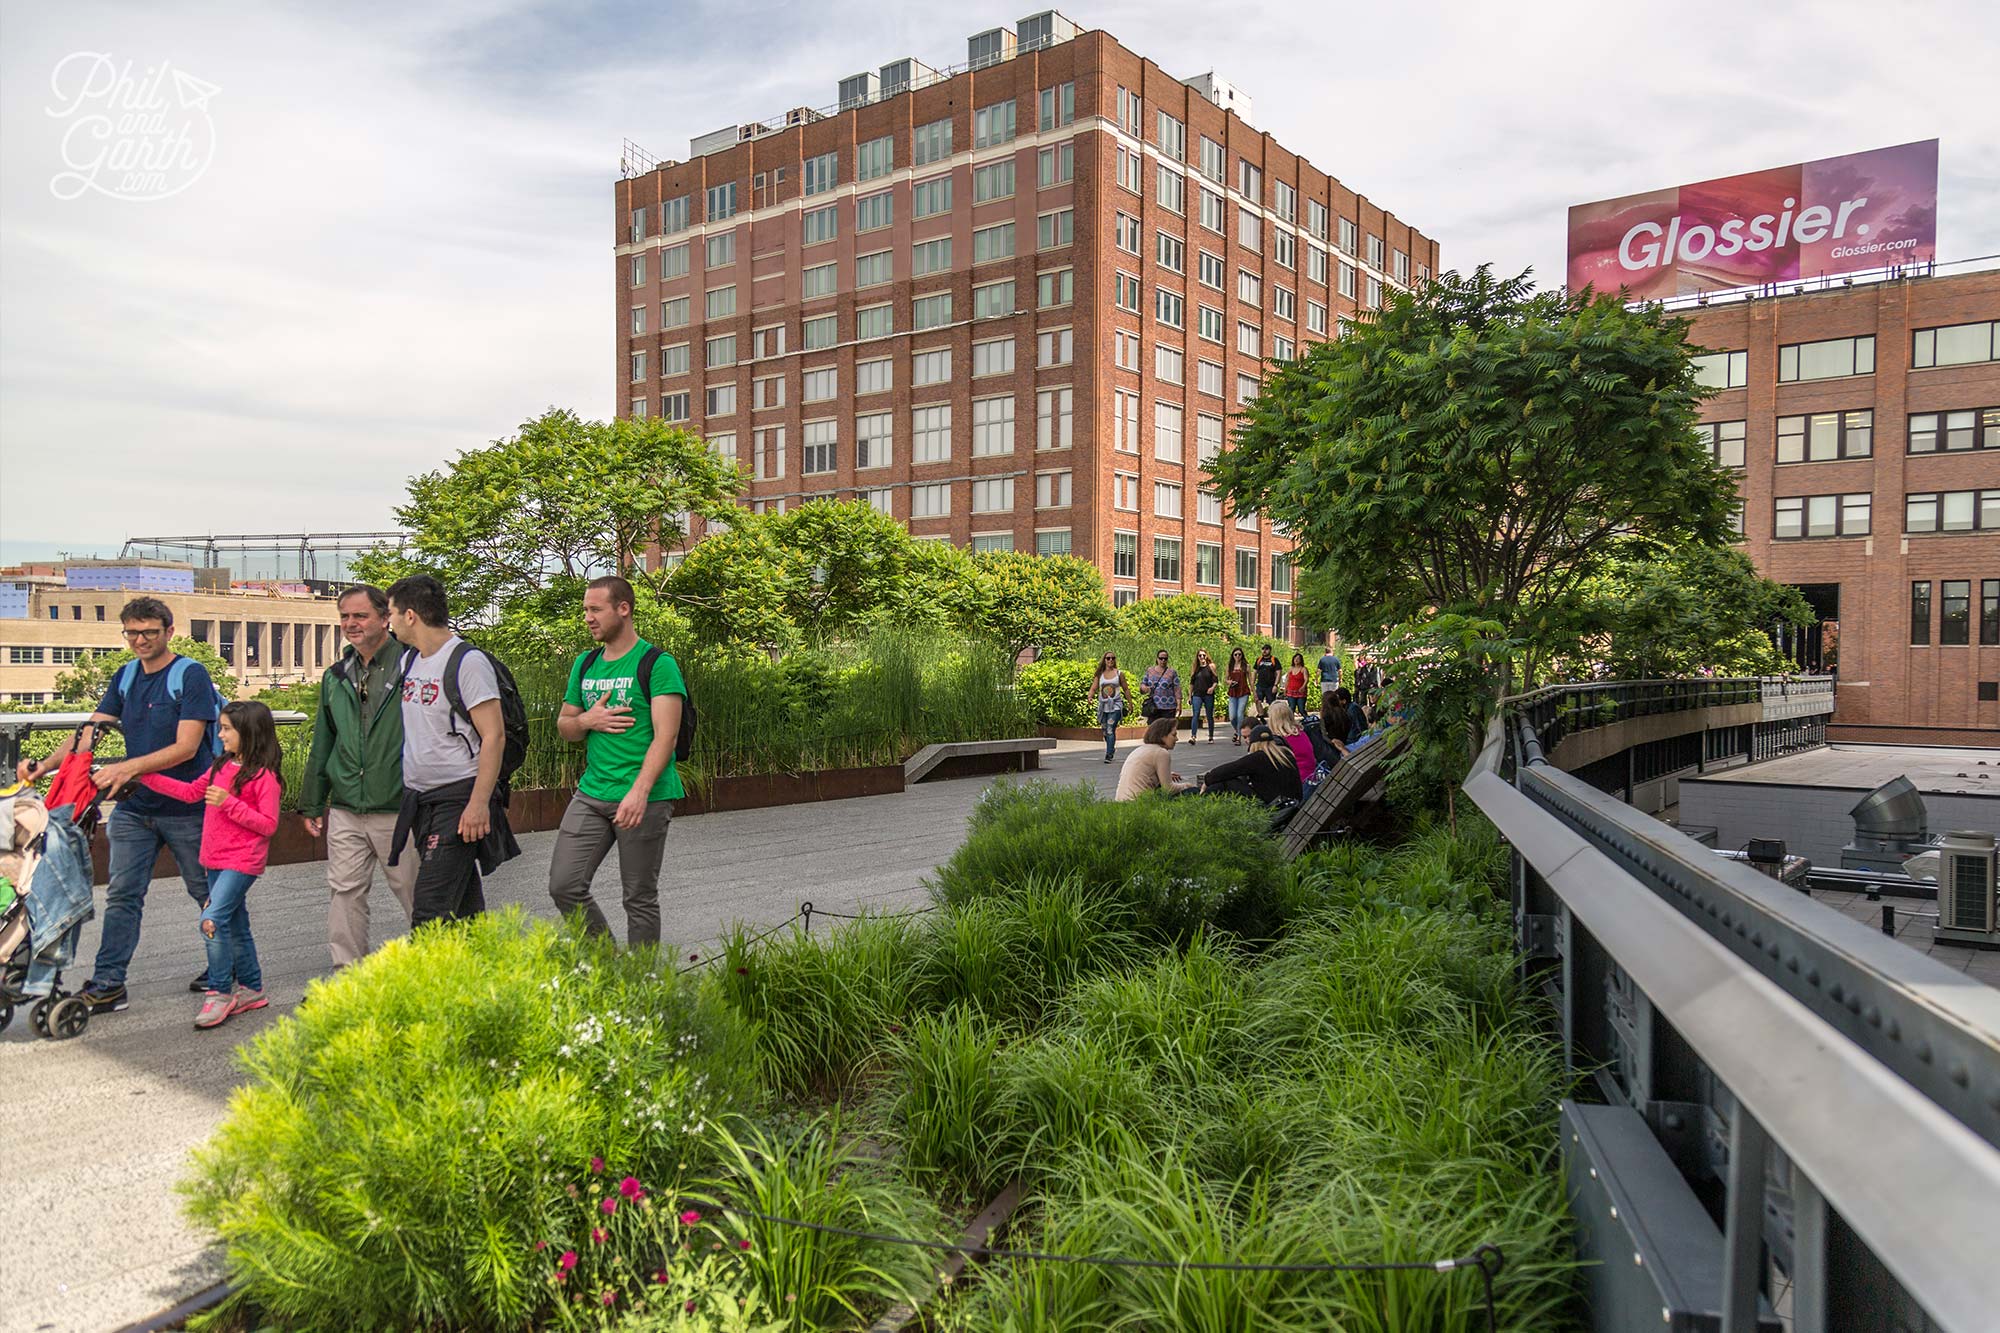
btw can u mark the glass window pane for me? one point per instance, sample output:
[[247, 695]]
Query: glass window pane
[[1958, 511], [1820, 515]]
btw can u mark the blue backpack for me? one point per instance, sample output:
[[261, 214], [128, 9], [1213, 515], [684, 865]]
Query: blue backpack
[[177, 677]]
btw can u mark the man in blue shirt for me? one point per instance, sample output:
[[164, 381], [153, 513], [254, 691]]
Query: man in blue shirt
[[166, 715], [1329, 675]]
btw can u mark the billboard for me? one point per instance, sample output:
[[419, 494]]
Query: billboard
[[1836, 215]]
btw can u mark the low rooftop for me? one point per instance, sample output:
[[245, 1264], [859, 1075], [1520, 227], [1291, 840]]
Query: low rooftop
[[1935, 769]]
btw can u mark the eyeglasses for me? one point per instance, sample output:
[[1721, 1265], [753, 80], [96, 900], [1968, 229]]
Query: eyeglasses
[[143, 635]]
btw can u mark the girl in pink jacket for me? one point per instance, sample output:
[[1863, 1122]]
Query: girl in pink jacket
[[241, 790]]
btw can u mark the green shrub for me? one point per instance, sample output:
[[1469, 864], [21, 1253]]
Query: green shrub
[[1056, 691], [945, 1109], [406, 1136], [1013, 953], [1182, 616], [1177, 864]]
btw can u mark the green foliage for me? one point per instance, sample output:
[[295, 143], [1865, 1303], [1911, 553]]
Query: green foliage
[[1475, 448], [1657, 612], [1449, 674], [1186, 615], [86, 682], [532, 633], [1052, 602], [300, 697], [1062, 691], [528, 520], [408, 1134], [1178, 865]]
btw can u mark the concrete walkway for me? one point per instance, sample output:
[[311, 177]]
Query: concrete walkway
[[96, 1131]]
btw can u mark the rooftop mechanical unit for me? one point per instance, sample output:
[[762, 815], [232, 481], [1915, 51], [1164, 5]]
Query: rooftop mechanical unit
[[1045, 29], [1890, 826], [900, 76], [859, 89], [1968, 869], [989, 47]]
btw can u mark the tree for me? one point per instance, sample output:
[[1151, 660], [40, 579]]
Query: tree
[[1479, 449], [530, 519], [1680, 612], [1184, 614], [1053, 602], [86, 682], [731, 586], [1447, 677]]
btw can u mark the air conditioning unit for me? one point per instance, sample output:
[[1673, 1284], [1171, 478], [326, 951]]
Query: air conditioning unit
[[803, 115], [1968, 867]]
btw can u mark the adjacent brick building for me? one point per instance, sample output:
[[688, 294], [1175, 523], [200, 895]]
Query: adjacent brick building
[[1014, 306], [1866, 422]]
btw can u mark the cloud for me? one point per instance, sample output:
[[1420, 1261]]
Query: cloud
[[402, 246]]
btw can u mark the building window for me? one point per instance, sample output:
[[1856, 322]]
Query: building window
[[930, 501], [820, 333], [993, 357], [1052, 418], [1055, 166], [674, 261], [993, 181], [1125, 293], [673, 407], [1246, 567], [1246, 388], [1284, 248], [821, 385], [1316, 265], [1129, 107], [17, 656], [820, 439], [720, 302], [1831, 359], [768, 341], [721, 202], [1249, 230], [1166, 560], [1246, 616], [875, 158], [1920, 612], [1716, 370], [1207, 439], [1125, 491], [993, 124], [931, 197], [1375, 253], [874, 440], [1955, 612], [927, 257], [721, 401], [1125, 233], [1955, 345], [1281, 621], [874, 321], [1167, 435], [1125, 349], [1169, 365], [1055, 347], [1347, 284], [875, 211], [1284, 201], [1208, 564], [1374, 292], [874, 376], [1213, 215], [1125, 421], [1821, 516], [992, 426], [882, 500], [930, 312], [821, 173], [1172, 136], [1723, 440], [991, 243], [1124, 555], [1055, 542], [1166, 499], [1129, 168], [930, 433], [1214, 161], [1249, 182], [931, 143], [1172, 192], [724, 445], [638, 366], [819, 224], [1052, 490], [993, 300], [1249, 289], [1285, 304], [767, 393], [931, 367], [638, 270], [819, 280], [1400, 268], [720, 251], [1172, 253], [1208, 323], [638, 319], [1208, 378], [1169, 308], [1989, 611], [1249, 340], [993, 495], [1825, 436], [1316, 318], [674, 314], [1955, 432], [1058, 106], [873, 270], [1952, 511], [767, 453], [1054, 229], [1281, 573]]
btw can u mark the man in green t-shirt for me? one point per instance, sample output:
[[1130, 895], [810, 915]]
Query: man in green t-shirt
[[629, 783]]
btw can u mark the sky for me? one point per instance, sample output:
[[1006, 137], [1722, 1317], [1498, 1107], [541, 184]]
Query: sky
[[369, 236]]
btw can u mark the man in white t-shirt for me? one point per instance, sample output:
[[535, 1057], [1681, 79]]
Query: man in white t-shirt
[[451, 761]]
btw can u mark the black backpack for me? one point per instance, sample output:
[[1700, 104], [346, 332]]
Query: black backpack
[[684, 739], [513, 713]]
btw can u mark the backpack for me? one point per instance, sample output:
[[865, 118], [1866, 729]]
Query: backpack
[[684, 739], [176, 678], [513, 713]]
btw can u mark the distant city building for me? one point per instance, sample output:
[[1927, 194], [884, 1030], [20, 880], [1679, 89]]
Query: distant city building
[[1016, 306], [1864, 423], [51, 615]]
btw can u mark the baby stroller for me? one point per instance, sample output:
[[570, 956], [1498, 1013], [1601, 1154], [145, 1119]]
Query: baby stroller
[[46, 858]]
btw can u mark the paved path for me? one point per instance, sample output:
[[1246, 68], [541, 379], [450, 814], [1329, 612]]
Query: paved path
[[94, 1132]]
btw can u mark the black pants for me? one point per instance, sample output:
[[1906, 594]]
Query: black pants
[[448, 885]]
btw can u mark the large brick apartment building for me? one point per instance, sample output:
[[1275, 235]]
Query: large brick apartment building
[[1014, 306], [1866, 422]]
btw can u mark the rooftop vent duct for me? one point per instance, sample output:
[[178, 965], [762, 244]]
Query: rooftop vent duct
[[1893, 812]]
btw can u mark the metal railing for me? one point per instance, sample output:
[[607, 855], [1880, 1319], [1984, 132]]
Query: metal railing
[[1559, 711], [1830, 1095], [1824, 282], [15, 728]]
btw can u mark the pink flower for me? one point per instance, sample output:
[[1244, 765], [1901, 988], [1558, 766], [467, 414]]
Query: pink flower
[[609, 1298], [629, 1187], [598, 1235], [694, 958], [609, 1204], [660, 1276], [689, 1307], [571, 1189], [743, 1244], [690, 1217], [597, 1166], [541, 1245], [561, 1278], [567, 1262]]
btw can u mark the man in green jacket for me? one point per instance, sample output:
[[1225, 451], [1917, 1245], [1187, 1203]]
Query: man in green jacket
[[354, 776]]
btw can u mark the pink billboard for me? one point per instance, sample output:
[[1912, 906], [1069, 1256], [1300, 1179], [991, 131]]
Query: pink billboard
[[1836, 215]]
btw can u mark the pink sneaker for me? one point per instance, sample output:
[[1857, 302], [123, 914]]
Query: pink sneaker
[[215, 1009], [246, 999]]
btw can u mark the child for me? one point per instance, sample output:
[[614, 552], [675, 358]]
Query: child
[[241, 789], [1295, 684]]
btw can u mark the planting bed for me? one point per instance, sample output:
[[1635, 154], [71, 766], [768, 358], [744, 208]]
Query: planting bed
[[1132, 1020]]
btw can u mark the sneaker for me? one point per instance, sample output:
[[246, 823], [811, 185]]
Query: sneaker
[[199, 986], [104, 999], [246, 999], [215, 1007]]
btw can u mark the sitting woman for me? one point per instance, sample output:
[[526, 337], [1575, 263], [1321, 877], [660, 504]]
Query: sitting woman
[[1285, 729], [1150, 767], [1267, 773]]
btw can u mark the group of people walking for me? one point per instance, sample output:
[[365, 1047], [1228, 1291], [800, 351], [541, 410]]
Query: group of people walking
[[406, 775]]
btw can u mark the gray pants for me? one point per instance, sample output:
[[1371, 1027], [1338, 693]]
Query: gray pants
[[584, 839]]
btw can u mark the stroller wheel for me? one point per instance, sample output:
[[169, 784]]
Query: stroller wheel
[[14, 977], [6, 1011], [68, 1018], [38, 1015]]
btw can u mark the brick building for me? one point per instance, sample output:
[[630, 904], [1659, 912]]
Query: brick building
[[1013, 306], [1866, 422]]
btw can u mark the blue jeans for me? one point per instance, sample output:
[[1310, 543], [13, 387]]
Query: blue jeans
[[1239, 704], [225, 929], [135, 845], [1203, 703], [1108, 719]]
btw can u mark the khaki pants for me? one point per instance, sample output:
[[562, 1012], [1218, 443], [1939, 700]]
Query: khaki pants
[[355, 845]]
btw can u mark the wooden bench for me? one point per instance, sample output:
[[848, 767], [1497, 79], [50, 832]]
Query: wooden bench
[[919, 765], [1342, 790]]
